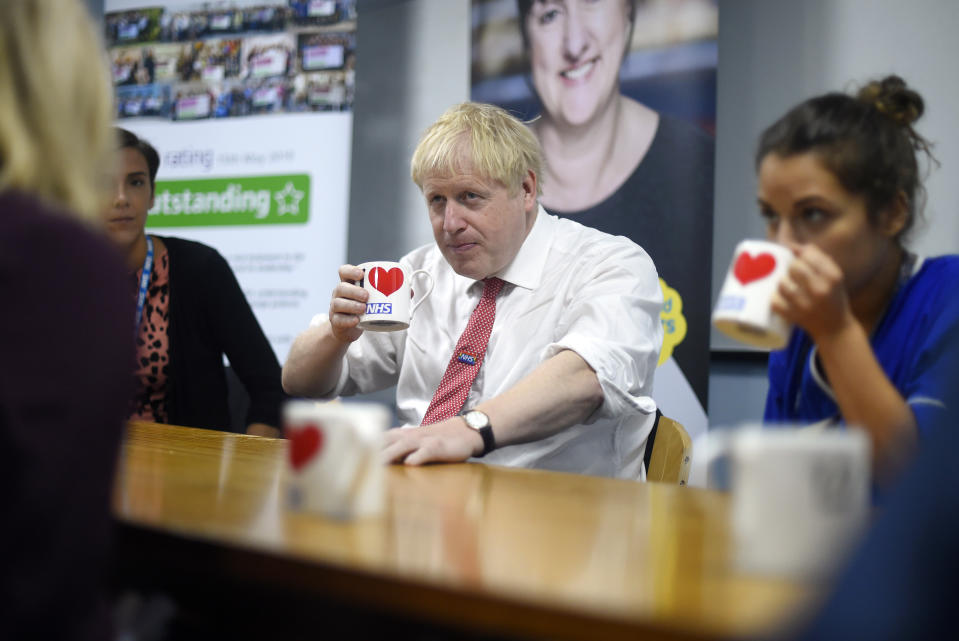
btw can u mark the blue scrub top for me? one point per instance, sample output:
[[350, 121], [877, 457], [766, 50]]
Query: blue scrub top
[[915, 343]]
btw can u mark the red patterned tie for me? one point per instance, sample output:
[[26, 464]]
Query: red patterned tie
[[467, 358]]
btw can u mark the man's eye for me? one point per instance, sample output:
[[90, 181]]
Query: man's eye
[[469, 197]]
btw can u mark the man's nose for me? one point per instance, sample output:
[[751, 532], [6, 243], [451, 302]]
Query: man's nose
[[453, 220]]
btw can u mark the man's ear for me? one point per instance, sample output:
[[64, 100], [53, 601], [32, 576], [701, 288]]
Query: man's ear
[[529, 190]]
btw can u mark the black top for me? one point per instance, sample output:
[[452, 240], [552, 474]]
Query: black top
[[666, 207], [66, 352], [210, 317]]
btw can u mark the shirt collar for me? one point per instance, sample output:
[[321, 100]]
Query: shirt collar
[[526, 268]]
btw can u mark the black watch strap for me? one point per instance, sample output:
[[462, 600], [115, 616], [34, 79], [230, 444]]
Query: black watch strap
[[489, 443], [479, 421]]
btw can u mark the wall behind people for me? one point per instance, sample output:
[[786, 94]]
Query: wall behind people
[[775, 53]]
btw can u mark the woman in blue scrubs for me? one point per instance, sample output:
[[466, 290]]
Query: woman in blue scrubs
[[839, 183]]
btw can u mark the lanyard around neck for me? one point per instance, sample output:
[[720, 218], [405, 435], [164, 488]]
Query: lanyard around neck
[[144, 285]]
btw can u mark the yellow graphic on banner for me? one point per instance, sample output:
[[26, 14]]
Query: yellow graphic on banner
[[674, 323]]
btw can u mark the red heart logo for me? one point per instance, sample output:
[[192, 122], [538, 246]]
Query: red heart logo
[[747, 269], [386, 282], [305, 443]]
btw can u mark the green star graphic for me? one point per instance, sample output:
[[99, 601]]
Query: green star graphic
[[288, 200]]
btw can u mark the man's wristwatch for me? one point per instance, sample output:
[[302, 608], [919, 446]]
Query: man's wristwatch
[[479, 421]]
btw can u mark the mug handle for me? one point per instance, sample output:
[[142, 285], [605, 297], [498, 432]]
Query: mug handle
[[428, 292]]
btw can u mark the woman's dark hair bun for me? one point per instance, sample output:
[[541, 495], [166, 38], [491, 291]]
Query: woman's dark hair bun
[[891, 97]]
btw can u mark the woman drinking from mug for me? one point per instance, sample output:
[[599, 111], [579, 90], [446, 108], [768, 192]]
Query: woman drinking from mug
[[190, 313], [614, 164], [875, 333]]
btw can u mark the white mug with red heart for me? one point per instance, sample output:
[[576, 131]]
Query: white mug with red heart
[[389, 284], [334, 463], [744, 309], [800, 495]]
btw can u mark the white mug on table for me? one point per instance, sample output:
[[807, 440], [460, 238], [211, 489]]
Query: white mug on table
[[800, 496], [335, 467]]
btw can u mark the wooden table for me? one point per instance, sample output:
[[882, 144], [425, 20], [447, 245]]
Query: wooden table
[[479, 549]]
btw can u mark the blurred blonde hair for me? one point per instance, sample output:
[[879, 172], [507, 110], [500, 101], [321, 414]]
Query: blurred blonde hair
[[501, 147], [55, 105]]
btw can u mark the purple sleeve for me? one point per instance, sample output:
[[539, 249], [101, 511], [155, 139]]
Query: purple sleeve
[[66, 340]]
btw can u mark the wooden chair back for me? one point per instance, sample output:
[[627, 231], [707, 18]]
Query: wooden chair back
[[671, 454]]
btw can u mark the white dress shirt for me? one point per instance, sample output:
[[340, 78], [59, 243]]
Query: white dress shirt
[[569, 287]]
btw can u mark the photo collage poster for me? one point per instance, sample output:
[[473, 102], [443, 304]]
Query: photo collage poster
[[249, 103], [569, 68]]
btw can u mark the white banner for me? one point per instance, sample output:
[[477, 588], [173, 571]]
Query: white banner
[[248, 104]]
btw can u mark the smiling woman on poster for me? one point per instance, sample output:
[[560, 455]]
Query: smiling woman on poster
[[615, 164]]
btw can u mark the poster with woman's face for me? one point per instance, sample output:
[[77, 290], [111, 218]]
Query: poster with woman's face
[[622, 96], [669, 65]]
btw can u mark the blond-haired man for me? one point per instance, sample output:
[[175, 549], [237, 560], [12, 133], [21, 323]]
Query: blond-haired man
[[572, 314]]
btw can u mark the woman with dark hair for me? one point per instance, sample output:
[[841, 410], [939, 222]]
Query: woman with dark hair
[[617, 165], [190, 313], [839, 183]]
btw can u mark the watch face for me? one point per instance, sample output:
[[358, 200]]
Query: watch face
[[476, 419]]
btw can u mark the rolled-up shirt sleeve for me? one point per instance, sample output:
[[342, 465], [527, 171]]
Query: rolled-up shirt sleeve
[[612, 321], [371, 363]]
